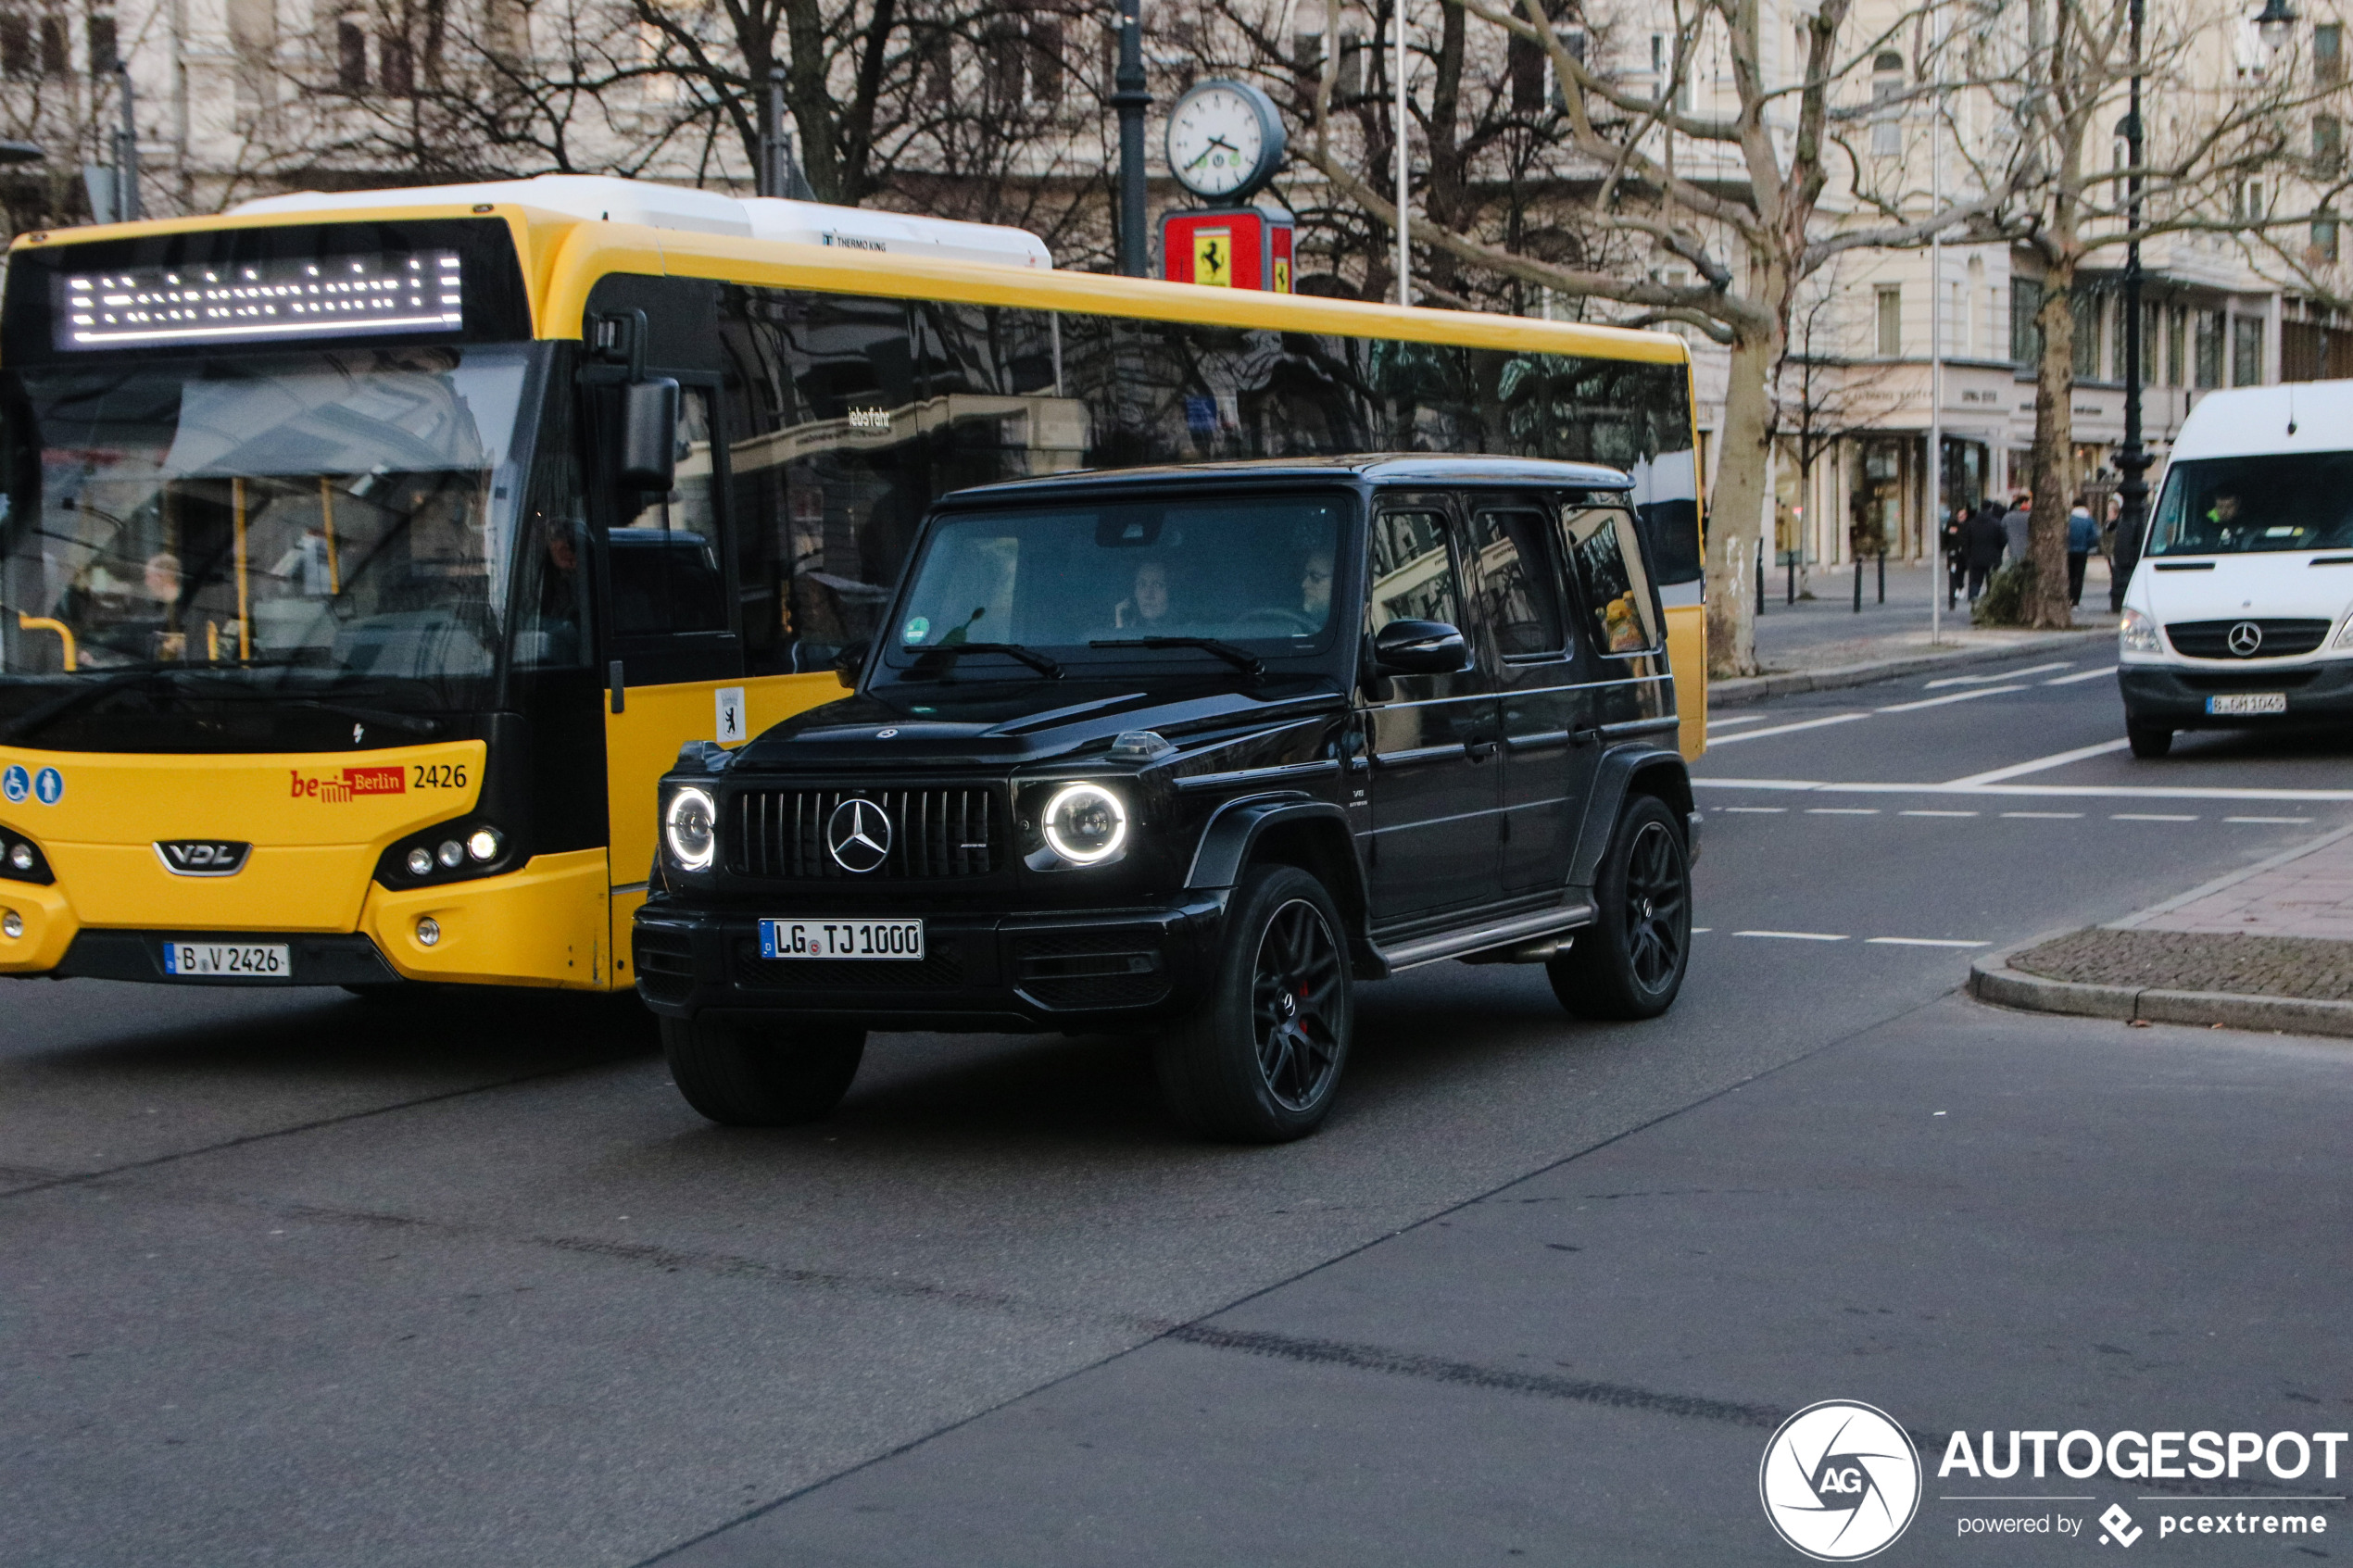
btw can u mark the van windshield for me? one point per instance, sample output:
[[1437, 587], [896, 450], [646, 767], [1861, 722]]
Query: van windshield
[[1250, 571], [2232, 506]]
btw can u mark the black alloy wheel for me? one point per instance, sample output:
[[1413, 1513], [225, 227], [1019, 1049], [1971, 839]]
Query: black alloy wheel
[[1260, 1058], [1629, 962], [1295, 997]]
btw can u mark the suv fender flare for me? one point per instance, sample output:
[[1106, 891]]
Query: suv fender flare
[[1235, 831], [1631, 770]]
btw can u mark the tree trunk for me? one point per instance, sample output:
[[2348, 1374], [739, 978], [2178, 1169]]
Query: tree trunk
[[1736, 507], [2046, 606]]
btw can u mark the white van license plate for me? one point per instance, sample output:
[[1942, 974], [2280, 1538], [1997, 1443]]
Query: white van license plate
[[267, 961], [900, 939], [2247, 702]]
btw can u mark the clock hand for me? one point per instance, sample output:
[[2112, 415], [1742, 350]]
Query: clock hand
[[1214, 143]]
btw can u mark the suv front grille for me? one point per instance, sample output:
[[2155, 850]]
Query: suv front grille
[[957, 830], [937, 969], [2211, 639]]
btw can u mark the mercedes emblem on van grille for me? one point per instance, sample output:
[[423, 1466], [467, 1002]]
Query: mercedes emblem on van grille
[[858, 835], [202, 857], [2246, 637]]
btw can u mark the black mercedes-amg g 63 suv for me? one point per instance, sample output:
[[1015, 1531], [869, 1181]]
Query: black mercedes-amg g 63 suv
[[1184, 754]]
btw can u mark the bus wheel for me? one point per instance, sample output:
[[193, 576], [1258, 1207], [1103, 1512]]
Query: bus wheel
[[747, 1075], [2148, 741], [1259, 1062], [1629, 962]]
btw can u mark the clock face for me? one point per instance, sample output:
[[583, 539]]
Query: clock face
[[1217, 141]]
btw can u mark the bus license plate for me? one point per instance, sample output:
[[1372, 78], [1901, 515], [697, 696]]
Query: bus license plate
[[266, 961], [2247, 702], [901, 939]]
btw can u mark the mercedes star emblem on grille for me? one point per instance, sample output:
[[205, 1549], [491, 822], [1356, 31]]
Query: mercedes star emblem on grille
[[2246, 637], [202, 857], [858, 835]]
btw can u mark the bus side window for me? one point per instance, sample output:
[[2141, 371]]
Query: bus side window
[[666, 571]]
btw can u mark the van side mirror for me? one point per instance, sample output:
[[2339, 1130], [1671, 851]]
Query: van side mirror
[[1419, 647], [649, 435]]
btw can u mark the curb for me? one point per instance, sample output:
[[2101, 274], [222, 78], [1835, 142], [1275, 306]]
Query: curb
[[1990, 979], [1756, 688]]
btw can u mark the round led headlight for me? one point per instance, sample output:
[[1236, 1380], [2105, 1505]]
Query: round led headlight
[[453, 854], [20, 856], [421, 861], [1086, 823], [690, 828], [484, 844]]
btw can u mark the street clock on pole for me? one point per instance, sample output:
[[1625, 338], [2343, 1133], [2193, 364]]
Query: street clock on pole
[[1225, 141]]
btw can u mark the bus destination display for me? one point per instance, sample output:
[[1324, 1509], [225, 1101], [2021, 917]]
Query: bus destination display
[[261, 301]]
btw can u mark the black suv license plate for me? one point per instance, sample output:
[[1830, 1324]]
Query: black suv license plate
[[900, 939]]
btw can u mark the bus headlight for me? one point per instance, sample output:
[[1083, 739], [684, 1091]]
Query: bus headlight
[[1085, 823], [2138, 634], [690, 828]]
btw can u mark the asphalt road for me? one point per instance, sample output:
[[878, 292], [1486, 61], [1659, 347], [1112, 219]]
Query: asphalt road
[[298, 1279]]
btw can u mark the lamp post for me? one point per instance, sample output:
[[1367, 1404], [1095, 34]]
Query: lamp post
[[2132, 459], [1131, 99]]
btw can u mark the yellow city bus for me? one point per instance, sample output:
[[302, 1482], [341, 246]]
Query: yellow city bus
[[365, 558]]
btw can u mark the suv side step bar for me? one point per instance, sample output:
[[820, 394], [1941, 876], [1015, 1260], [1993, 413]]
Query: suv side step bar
[[1455, 945]]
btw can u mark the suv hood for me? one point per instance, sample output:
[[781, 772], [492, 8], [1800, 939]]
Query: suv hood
[[991, 731], [2285, 585]]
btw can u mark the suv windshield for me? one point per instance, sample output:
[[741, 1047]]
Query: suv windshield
[[336, 524], [1255, 572], [2225, 505]]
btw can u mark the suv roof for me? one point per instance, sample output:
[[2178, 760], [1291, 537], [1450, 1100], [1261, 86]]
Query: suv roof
[[1380, 469]]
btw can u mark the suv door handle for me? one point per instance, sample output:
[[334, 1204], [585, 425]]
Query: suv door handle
[[1478, 750], [1585, 735]]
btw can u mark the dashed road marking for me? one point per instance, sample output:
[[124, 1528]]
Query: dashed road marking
[[2282, 820], [2041, 764], [2047, 816], [2146, 817], [1842, 811], [1715, 724], [1756, 810], [1936, 813], [1919, 942], [1795, 936], [2002, 675], [1948, 697], [1788, 729], [2081, 675]]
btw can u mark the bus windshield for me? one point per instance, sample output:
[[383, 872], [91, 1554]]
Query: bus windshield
[[2228, 506], [281, 527]]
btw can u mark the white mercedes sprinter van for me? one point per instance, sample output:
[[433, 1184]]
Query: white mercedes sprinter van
[[2237, 614]]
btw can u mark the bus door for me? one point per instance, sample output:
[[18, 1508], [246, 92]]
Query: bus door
[[673, 652]]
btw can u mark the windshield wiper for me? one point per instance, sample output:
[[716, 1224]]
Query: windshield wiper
[[407, 723], [1242, 659], [945, 653], [58, 707]]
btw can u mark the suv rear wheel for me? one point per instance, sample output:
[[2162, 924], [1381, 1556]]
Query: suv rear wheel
[[745, 1075], [1629, 962], [1259, 1062]]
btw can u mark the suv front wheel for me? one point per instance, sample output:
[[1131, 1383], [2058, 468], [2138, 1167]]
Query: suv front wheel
[[745, 1075], [1629, 962], [1259, 1062]]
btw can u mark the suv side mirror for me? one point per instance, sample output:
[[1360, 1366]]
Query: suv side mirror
[[1419, 647], [850, 660], [649, 435]]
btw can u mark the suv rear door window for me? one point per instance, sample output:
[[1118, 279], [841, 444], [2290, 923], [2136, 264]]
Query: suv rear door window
[[1604, 554], [1518, 597]]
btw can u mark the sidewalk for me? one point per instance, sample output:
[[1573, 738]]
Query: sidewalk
[[2267, 948], [1823, 644]]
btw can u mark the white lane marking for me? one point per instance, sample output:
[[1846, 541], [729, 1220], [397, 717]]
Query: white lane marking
[[1918, 942], [1794, 935], [1936, 813], [1788, 729], [1757, 811], [1948, 697], [1842, 811], [1702, 930], [2069, 791], [1727, 723], [2279, 820], [2047, 816], [2041, 764], [2003, 675], [2146, 817], [2081, 675]]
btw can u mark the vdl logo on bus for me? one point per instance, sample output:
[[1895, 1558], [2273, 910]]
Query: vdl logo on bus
[[354, 783]]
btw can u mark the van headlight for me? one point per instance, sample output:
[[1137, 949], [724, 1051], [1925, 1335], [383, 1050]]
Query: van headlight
[[2344, 635], [690, 828], [2138, 635], [1085, 823]]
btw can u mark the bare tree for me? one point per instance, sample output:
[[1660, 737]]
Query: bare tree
[[1821, 394]]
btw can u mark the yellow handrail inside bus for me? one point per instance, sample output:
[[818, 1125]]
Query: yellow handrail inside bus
[[327, 513], [64, 632], [245, 633]]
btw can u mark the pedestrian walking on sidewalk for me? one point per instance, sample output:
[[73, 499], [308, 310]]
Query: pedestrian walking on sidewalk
[[2083, 538], [1955, 543], [1982, 546], [2014, 524]]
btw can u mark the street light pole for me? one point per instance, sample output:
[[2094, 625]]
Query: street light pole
[[126, 163], [1405, 170], [2132, 459], [1130, 98]]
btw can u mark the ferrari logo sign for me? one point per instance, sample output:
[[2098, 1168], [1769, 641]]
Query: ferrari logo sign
[[1213, 257]]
